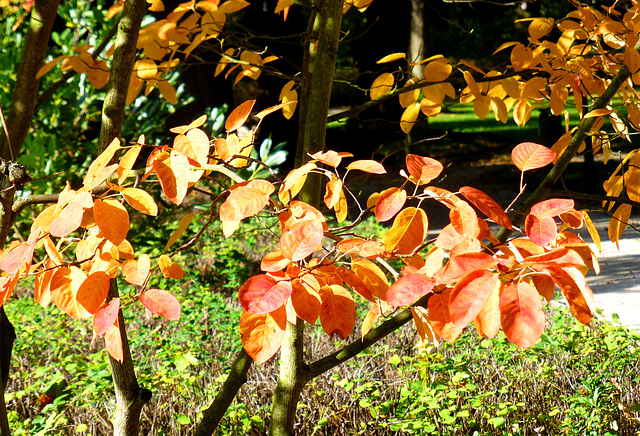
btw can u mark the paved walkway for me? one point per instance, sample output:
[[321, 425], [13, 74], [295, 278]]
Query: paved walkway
[[617, 287]]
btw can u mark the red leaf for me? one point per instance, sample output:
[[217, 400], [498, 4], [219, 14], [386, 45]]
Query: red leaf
[[541, 230], [301, 239], [487, 206], [113, 342], [521, 314], [408, 289], [263, 334], [529, 156], [239, 116], [552, 207], [263, 294], [470, 294], [422, 170], [338, 314], [106, 316], [161, 303], [368, 166], [389, 203], [354, 282]]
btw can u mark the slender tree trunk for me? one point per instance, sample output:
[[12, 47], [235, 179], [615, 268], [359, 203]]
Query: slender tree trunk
[[130, 397], [321, 50], [18, 122]]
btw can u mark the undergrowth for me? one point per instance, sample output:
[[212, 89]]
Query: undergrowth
[[576, 380]]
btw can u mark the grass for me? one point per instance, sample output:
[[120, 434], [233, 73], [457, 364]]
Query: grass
[[576, 380]]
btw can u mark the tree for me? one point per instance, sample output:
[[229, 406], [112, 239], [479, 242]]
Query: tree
[[468, 275]]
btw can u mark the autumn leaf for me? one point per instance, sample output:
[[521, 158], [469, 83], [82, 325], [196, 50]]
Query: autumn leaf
[[263, 334], [530, 156], [245, 200], [552, 207], [439, 317], [487, 322], [263, 294], [372, 277], [106, 316], [93, 291], [421, 169], [183, 225], [521, 314], [487, 206], [382, 85], [306, 301], [408, 231], [169, 268], [301, 239], [389, 203], [137, 271], [541, 230], [470, 294], [161, 303], [368, 166], [112, 219], [338, 313], [408, 289], [238, 116], [173, 172]]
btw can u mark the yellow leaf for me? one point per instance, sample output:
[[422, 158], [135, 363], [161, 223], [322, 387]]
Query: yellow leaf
[[382, 85], [410, 97], [146, 69], [618, 223], [231, 6], [593, 232], [481, 106], [183, 225], [471, 83], [392, 57], [168, 91], [437, 71], [408, 231], [539, 27], [95, 174], [409, 117], [140, 200]]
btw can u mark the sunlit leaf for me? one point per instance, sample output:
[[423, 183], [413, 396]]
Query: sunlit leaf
[[137, 271], [487, 206], [470, 294], [263, 294], [389, 203], [301, 239], [372, 277], [487, 322], [439, 317], [263, 334], [392, 57], [306, 301], [112, 219], [408, 289], [382, 85], [574, 288], [338, 313], [437, 71], [238, 116], [106, 316], [552, 207], [93, 291], [530, 156], [368, 166], [541, 230], [408, 231], [161, 303], [521, 314], [421, 169]]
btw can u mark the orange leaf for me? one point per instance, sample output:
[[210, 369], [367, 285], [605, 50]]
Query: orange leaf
[[161, 303], [464, 219], [338, 313], [93, 291], [487, 322], [140, 200], [239, 116], [408, 231], [263, 334], [195, 145], [618, 223], [127, 162], [423, 326], [422, 170], [168, 268], [137, 271], [331, 158], [246, 199], [372, 277], [274, 261], [106, 316], [263, 294], [354, 282], [173, 172], [465, 263], [389, 203], [530, 156], [95, 174], [113, 342], [368, 166], [183, 225], [112, 219], [408, 289], [545, 286], [301, 239], [552, 207], [487, 206], [332, 196], [64, 286], [541, 230], [521, 314], [68, 221], [470, 294], [306, 301], [439, 317], [575, 290]]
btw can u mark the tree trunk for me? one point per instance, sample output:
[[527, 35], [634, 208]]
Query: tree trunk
[[130, 397], [321, 50]]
